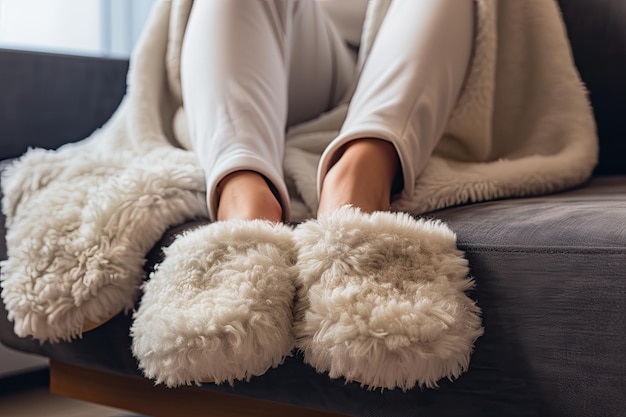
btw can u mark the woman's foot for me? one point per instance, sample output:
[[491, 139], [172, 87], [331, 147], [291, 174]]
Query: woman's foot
[[246, 195], [381, 299], [363, 177], [220, 306]]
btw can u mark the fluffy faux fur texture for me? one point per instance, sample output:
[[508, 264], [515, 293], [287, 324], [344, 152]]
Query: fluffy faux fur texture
[[381, 299], [220, 306], [78, 232]]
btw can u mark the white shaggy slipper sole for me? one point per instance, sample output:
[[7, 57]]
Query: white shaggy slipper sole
[[381, 299], [220, 306]]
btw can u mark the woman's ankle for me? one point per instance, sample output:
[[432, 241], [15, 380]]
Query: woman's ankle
[[246, 195], [363, 177]]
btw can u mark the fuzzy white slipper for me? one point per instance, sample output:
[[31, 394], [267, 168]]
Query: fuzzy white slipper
[[220, 306], [381, 299]]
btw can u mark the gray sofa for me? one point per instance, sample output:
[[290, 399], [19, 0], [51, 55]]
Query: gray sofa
[[550, 270]]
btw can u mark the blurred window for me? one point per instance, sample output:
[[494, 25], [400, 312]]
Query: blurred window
[[91, 27]]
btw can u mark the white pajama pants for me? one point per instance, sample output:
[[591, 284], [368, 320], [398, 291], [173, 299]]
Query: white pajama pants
[[252, 68]]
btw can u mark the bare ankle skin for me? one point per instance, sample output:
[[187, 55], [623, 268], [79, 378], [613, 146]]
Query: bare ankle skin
[[362, 177], [245, 195]]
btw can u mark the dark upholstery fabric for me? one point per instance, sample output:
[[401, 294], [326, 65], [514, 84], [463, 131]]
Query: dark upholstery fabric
[[597, 32], [551, 276], [551, 284], [48, 100]]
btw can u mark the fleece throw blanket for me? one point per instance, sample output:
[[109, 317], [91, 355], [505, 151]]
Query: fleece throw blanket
[[81, 219]]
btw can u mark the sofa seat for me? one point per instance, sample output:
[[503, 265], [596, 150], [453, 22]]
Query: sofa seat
[[551, 282]]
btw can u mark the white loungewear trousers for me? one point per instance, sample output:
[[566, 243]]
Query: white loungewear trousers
[[253, 68]]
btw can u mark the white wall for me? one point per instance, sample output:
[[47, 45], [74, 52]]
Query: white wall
[[57, 25], [92, 27]]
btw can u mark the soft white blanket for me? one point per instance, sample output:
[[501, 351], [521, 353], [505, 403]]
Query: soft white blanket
[[81, 219]]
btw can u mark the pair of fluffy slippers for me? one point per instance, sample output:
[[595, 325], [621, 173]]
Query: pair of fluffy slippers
[[375, 298]]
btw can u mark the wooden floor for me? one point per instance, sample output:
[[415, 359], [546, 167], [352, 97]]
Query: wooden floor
[[28, 396], [69, 391], [141, 396]]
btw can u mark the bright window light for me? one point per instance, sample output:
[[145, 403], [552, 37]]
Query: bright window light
[[92, 27]]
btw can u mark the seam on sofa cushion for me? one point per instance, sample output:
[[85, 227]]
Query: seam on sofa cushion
[[604, 250]]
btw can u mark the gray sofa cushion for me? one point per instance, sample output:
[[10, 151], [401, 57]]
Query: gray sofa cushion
[[551, 284], [597, 32], [551, 279], [50, 99]]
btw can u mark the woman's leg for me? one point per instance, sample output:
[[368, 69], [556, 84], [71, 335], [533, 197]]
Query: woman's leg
[[406, 92], [249, 69], [382, 299]]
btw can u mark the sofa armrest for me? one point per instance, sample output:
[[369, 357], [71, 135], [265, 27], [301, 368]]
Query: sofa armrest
[[50, 99], [597, 32]]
